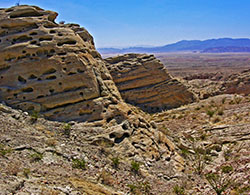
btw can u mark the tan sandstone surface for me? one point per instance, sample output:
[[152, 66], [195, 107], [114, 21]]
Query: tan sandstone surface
[[144, 82]]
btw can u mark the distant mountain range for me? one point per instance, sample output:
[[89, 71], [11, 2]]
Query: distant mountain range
[[207, 46]]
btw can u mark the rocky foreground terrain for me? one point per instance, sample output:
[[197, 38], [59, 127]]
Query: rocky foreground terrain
[[73, 123]]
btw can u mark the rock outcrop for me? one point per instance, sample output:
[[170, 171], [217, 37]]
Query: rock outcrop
[[144, 82], [51, 68], [54, 69]]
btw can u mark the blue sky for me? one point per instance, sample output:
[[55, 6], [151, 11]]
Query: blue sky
[[122, 23]]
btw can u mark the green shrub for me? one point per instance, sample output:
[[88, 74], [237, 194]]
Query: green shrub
[[34, 116], [115, 162], [36, 157], [26, 172], [4, 150], [210, 113], [179, 190], [79, 164], [67, 129], [135, 166]]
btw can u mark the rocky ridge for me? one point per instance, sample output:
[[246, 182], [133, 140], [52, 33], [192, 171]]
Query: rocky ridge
[[144, 82]]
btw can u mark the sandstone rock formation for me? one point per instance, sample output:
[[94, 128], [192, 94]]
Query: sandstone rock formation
[[51, 68], [55, 70], [144, 82]]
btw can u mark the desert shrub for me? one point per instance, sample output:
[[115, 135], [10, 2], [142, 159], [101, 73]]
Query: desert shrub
[[67, 129], [34, 116], [220, 180], [79, 164], [184, 152], [223, 100], [179, 190], [35, 157], [4, 150], [26, 172], [140, 188], [210, 113], [115, 162], [135, 166]]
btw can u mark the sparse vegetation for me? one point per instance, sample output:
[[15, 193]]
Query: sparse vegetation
[[4, 150], [26, 172], [115, 162], [179, 190], [79, 164], [220, 180], [210, 113], [135, 167], [35, 157], [67, 129], [34, 116]]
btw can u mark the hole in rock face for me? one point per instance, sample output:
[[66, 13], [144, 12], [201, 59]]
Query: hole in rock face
[[53, 77], [33, 33], [45, 39], [50, 71], [69, 42], [22, 39], [28, 90], [51, 90], [81, 93], [32, 76], [125, 126], [111, 135], [119, 140], [21, 80], [52, 31], [109, 119], [60, 83]]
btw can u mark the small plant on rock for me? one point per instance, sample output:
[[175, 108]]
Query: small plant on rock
[[79, 164], [66, 129], [26, 172], [220, 180], [34, 116], [135, 167], [36, 157], [4, 150], [115, 162], [179, 190], [210, 113]]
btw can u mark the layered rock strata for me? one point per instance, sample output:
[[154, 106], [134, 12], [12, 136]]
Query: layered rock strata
[[144, 82], [51, 68], [55, 70]]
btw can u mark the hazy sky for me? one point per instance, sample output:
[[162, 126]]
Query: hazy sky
[[151, 22]]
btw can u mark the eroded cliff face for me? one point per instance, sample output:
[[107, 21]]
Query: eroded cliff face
[[55, 70], [144, 82], [51, 68]]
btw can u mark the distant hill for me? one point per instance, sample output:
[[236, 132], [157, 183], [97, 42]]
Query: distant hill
[[223, 44], [226, 49]]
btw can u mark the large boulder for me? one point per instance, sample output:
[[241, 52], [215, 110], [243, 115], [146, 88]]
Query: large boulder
[[52, 68], [144, 82]]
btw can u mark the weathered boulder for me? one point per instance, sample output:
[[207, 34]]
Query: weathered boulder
[[51, 68], [144, 82]]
